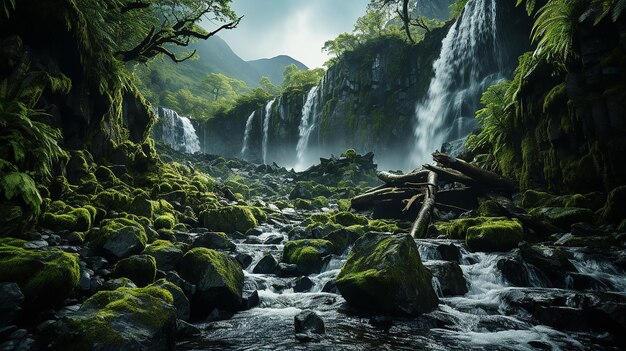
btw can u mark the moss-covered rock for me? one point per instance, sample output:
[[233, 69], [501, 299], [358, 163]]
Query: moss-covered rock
[[614, 209], [230, 219], [384, 273], [490, 208], [218, 278], [166, 254], [142, 206], [78, 219], [180, 301], [309, 190], [166, 221], [342, 239], [457, 229], [214, 240], [46, 278], [118, 238], [347, 219], [141, 269], [494, 235], [112, 199], [123, 319], [563, 217], [307, 254]]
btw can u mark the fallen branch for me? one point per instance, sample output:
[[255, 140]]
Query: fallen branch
[[367, 200], [481, 176], [420, 226], [451, 175], [413, 177]]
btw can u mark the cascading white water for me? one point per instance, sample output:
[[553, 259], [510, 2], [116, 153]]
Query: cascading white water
[[307, 124], [266, 127], [246, 135], [469, 62], [177, 131]]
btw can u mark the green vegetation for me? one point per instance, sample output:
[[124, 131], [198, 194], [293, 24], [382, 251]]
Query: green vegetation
[[307, 254], [141, 269], [494, 235]]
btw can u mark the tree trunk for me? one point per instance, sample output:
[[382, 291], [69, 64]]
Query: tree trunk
[[420, 226]]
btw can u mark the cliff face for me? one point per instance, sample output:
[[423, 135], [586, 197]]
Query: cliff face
[[366, 101]]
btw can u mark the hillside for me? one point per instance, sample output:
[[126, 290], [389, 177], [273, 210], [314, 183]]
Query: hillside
[[273, 67]]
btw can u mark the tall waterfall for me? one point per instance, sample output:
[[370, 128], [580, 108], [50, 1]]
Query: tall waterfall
[[307, 124], [176, 131], [246, 135], [266, 127], [469, 62]]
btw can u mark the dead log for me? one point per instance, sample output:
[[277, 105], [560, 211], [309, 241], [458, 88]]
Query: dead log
[[451, 175], [511, 210], [420, 226], [413, 177], [483, 177], [366, 201]]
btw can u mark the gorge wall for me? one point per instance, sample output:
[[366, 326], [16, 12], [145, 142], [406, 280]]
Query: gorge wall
[[366, 101]]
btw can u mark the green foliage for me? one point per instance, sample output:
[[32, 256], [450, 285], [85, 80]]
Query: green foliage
[[456, 8], [294, 77], [21, 184]]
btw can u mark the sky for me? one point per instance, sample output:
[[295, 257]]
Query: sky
[[297, 28]]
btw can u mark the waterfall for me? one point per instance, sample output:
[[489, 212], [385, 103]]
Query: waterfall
[[307, 124], [176, 131], [469, 62], [266, 127], [246, 135]]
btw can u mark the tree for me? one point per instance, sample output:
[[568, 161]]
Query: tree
[[221, 87], [267, 85], [294, 77]]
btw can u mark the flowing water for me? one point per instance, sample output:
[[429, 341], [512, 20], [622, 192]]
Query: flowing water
[[176, 131], [469, 62], [307, 124], [487, 317], [266, 127], [246, 135]]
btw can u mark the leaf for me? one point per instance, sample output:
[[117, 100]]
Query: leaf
[[22, 185]]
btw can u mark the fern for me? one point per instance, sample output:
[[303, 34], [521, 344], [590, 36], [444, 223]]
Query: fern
[[21, 184]]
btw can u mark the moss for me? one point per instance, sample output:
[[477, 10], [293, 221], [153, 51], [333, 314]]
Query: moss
[[342, 239], [230, 219], [381, 225], [45, 277], [307, 254], [142, 206], [164, 221], [149, 310], [563, 217], [141, 269], [105, 175], [494, 235], [344, 204], [112, 199], [303, 204], [78, 219], [348, 219], [59, 187], [114, 231], [490, 208], [457, 229], [309, 190], [349, 154], [614, 209]]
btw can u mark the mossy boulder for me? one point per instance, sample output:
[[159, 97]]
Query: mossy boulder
[[118, 238], [309, 190], [78, 219], [494, 236], [46, 278], [123, 319], [166, 254], [166, 221], [614, 209], [307, 254], [230, 219], [218, 279], [384, 274], [342, 239], [141, 269], [142, 206], [563, 217], [347, 219], [214, 240], [112, 199], [349, 154], [180, 301], [457, 229]]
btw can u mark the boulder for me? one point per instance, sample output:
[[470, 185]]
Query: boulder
[[244, 260], [214, 240], [513, 271], [118, 238], [384, 274], [232, 218], [302, 284], [114, 284], [307, 254], [11, 300], [450, 276], [309, 326], [614, 209], [342, 239], [123, 319], [180, 301], [494, 236], [563, 217], [287, 270], [166, 254], [449, 252], [141, 269], [267, 265], [218, 279], [45, 277]]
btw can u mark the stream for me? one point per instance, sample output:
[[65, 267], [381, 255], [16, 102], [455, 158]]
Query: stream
[[492, 315]]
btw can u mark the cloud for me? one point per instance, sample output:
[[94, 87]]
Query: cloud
[[297, 28]]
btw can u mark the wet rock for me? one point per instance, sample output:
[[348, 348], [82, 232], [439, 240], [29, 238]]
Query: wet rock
[[180, 302], [166, 254], [118, 238], [513, 270], [494, 236], [302, 284], [253, 240], [331, 287], [551, 262], [84, 283], [307, 254], [188, 288], [255, 231], [275, 239], [141, 269], [11, 300], [384, 273], [267, 265], [214, 240], [308, 326], [381, 323], [218, 278], [286, 270], [342, 239], [244, 260], [251, 300], [185, 330], [563, 217], [114, 284], [450, 277], [449, 252], [124, 319]]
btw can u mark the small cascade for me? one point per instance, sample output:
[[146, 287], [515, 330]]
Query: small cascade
[[176, 131], [307, 124], [469, 62], [246, 135], [266, 127]]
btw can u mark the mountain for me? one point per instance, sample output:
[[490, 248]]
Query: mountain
[[273, 67]]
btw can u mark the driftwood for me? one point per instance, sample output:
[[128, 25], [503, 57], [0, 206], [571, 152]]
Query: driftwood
[[451, 175], [420, 226], [394, 179], [484, 177], [367, 200]]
